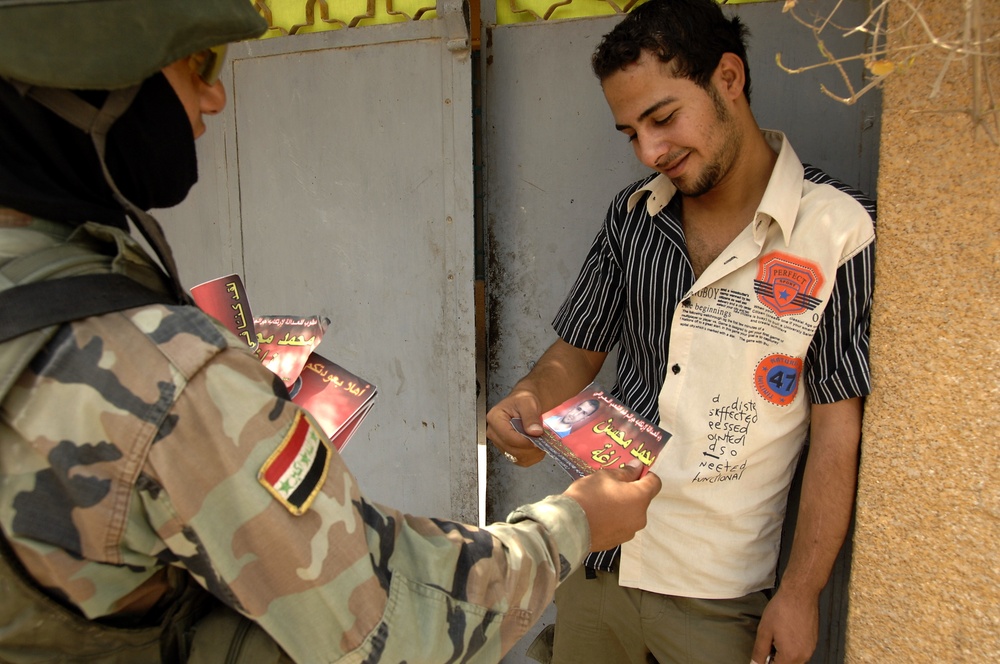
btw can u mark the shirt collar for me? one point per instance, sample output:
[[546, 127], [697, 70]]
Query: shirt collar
[[779, 204]]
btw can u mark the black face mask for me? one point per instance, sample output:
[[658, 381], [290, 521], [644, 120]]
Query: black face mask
[[150, 149], [50, 169]]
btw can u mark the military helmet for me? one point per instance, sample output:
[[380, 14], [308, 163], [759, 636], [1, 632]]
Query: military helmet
[[110, 44]]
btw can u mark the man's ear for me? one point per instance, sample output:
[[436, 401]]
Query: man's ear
[[730, 76]]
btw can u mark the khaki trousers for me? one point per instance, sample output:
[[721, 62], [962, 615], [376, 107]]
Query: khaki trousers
[[599, 622]]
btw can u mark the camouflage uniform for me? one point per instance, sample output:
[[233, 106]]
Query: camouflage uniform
[[147, 441]]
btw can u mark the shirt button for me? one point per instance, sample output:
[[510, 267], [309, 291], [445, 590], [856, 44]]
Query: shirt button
[[676, 369]]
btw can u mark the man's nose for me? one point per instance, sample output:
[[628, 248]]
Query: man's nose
[[651, 149], [213, 98]]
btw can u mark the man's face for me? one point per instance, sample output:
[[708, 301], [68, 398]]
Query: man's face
[[197, 97], [676, 127], [579, 412]]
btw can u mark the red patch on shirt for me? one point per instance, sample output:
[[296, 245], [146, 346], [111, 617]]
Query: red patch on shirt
[[787, 284]]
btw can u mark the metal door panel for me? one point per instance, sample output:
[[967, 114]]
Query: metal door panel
[[339, 182]]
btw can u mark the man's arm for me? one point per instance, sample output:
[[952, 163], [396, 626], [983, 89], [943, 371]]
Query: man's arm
[[791, 620], [562, 371]]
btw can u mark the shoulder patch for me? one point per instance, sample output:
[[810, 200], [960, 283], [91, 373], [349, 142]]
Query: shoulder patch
[[295, 472]]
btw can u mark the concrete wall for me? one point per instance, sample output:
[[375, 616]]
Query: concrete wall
[[925, 577]]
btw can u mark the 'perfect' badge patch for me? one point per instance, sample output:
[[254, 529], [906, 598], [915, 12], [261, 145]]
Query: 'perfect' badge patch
[[787, 284], [295, 472]]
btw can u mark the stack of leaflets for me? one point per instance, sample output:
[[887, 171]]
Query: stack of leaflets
[[592, 430], [335, 397]]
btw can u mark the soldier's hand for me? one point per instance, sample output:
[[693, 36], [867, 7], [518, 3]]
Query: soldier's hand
[[518, 449], [615, 503]]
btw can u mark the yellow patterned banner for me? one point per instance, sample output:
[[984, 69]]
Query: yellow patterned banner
[[522, 11], [295, 17]]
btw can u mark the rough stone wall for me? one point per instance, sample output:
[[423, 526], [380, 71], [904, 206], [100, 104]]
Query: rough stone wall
[[925, 580]]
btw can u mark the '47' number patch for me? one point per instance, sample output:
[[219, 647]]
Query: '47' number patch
[[777, 378]]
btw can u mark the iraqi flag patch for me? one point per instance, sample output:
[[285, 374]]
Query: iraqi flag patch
[[295, 472]]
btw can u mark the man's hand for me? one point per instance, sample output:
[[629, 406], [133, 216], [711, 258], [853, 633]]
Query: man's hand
[[561, 371], [615, 503], [522, 404], [790, 625]]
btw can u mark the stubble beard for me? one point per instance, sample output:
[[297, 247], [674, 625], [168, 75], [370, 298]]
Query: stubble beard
[[723, 158]]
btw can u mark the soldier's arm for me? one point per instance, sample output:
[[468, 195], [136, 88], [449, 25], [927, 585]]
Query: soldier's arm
[[325, 571]]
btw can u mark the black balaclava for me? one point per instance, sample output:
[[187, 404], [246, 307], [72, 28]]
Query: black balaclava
[[50, 169]]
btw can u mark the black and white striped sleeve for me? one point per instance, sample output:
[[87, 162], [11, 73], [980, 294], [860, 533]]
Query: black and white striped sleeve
[[590, 316], [838, 357]]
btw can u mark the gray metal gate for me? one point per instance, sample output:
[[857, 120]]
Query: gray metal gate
[[338, 182]]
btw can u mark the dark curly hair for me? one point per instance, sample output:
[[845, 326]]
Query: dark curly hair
[[693, 34]]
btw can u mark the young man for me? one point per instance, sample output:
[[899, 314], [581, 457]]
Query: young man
[[161, 498], [737, 286]]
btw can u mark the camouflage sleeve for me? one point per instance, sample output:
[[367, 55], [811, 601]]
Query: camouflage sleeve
[[245, 492], [144, 441]]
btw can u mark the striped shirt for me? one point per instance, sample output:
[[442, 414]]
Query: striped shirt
[[638, 272]]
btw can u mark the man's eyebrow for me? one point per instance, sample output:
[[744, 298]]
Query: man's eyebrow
[[645, 114]]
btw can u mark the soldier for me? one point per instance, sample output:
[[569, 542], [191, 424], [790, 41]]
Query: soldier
[[161, 499]]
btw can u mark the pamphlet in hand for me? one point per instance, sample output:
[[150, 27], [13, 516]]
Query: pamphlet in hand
[[225, 300], [285, 343], [593, 430], [335, 397]]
